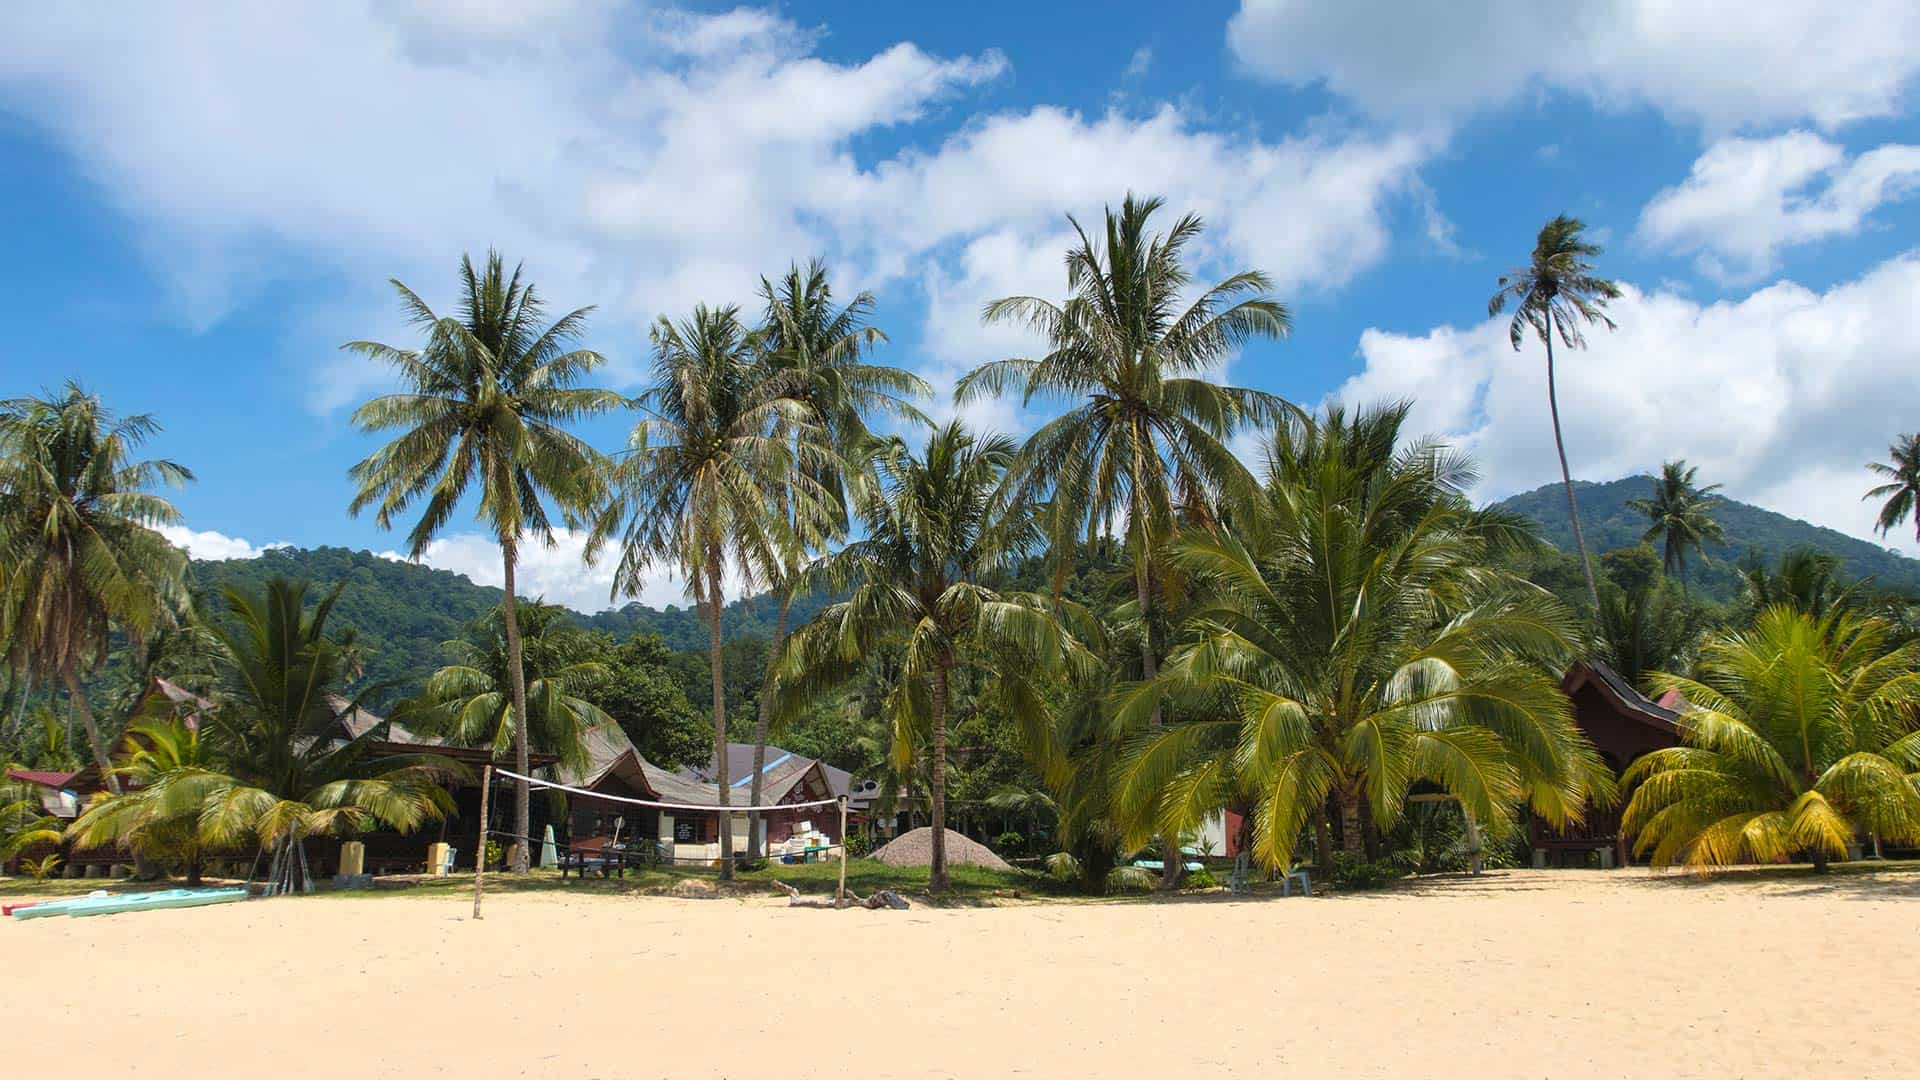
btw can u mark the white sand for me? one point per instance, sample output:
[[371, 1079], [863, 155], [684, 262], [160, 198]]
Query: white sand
[[1519, 974]]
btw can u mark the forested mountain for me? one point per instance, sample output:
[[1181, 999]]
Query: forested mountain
[[1611, 524], [403, 611]]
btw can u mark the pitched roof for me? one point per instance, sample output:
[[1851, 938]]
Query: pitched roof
[[40, 776], [783, 769], [1620, 693]]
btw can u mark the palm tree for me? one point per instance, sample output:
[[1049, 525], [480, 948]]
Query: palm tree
[[1681, 517], [488, 397], [1148, 439], [937, 527], [155, 818], [1799, 735], [1556, 293], [712, 476], [79, 557], [470, 701], [816, 354], [270, 765], [1805, 579], [1903, 487], [1352, 639]]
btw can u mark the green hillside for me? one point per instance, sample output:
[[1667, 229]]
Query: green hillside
[[1610, 523], [405, 611]]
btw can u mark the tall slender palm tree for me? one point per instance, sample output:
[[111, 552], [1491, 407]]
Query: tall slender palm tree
[[79, 557], [488, 399], [1351, 639], [471, 699], [1556, 293], [1680, 516], [1799, 735], [1901, 492], [817, 353], [712, 475], [937, 527], [1136, 345]]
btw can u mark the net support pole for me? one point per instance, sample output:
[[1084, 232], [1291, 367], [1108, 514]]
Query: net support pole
[[480, 845], [840, 897]]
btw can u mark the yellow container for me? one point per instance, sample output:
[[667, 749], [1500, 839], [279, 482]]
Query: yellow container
[[353, 858]]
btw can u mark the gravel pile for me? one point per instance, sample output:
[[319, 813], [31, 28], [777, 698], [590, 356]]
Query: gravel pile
[[916, 849]]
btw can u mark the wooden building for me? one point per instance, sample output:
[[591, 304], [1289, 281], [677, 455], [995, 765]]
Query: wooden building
[[1623, 724]]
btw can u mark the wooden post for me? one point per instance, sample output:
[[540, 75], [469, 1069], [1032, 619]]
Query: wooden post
[[840, 898], [480, 847]]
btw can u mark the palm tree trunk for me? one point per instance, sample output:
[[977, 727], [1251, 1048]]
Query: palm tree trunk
[[762, 723], [522, 793], [1352, 833], [1566, 475], [937, 875], [722, 775], [77, 699], [1171, 861]]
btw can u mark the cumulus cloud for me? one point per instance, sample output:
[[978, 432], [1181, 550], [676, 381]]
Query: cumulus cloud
[[1746, 199], [558, 574], [638, 157], [1720, 63], [1782, 395], [214, 545]]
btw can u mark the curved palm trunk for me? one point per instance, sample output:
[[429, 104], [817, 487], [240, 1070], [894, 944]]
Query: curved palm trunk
[[722, 776], [1566, 476], [760, 728], [937, 875], [522, 794], [77, 695]]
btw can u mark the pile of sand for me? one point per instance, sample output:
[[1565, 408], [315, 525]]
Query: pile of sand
[[916, 849]]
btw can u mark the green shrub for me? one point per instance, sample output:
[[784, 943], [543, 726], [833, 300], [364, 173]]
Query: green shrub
[[1200, 879], [1010, 843], [1355, 873]]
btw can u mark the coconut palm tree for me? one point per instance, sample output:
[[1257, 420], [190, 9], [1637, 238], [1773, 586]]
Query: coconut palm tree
[[79, 557], [488, 398], [817, 353], [1799, 736], [937, 528], [1902, 489], [268, 764], [1680, 516], [1351, 638], [711, 478], [155, 818], [471, 700], [1556, 293], [1135, 345], [1805, 579]]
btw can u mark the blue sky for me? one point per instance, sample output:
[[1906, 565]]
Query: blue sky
[[201, 204]]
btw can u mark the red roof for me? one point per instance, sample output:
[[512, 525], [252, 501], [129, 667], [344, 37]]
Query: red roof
[[34, 776]]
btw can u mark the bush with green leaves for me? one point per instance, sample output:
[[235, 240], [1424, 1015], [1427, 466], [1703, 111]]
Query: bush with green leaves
[[1356, 873]]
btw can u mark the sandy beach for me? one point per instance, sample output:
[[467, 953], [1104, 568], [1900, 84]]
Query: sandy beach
[[1518, 974]]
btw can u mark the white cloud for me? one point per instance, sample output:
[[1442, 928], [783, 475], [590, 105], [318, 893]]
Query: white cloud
[[214, 545], [640, 158], [1746, 199], [558, 574], [1141, 63], [1720, 63], [1782, 395]]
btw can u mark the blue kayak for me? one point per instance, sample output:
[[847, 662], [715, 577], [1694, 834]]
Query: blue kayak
[[114, 905]]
